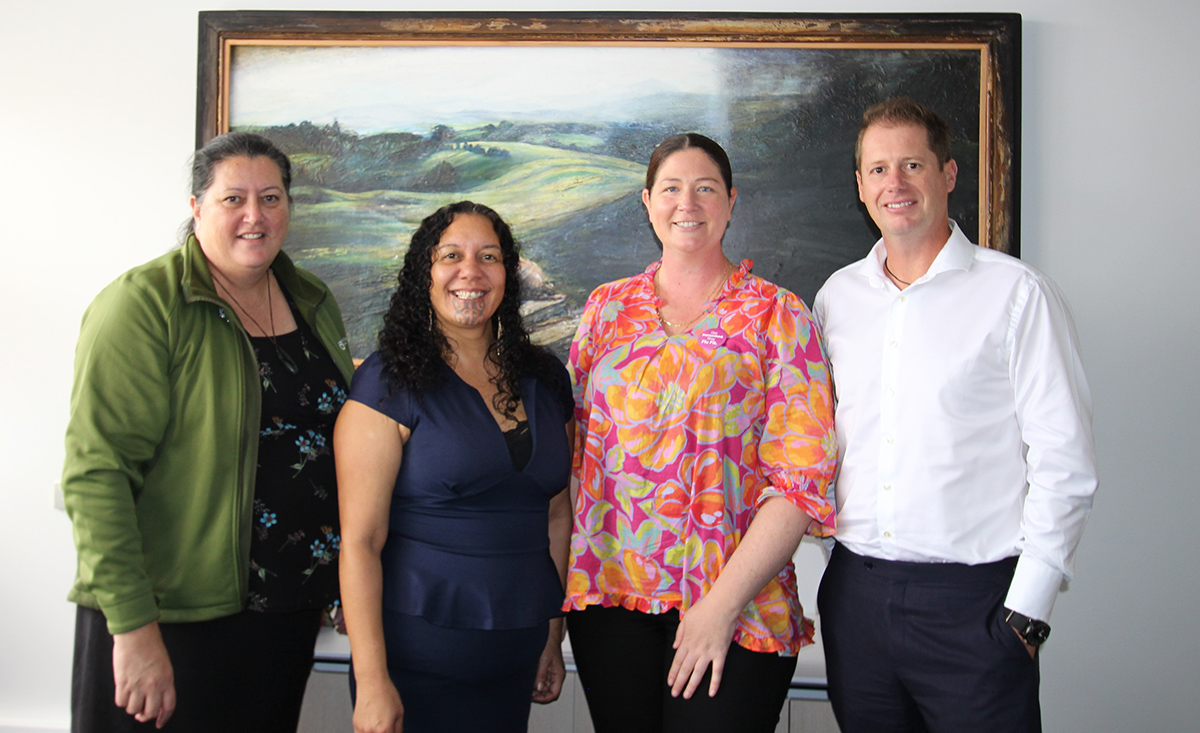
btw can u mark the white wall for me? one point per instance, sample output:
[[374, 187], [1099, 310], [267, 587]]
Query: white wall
[[96, 121]]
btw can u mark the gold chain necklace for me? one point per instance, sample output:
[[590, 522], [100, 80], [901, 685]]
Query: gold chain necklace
[[729, 268]]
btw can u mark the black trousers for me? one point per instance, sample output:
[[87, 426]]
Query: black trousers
[[924, 647], [623, 659], [245, 672]]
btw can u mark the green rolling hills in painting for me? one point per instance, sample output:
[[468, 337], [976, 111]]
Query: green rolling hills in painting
[[359, 199]]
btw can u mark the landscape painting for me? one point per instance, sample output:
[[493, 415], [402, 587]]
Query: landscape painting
[[556, 139]]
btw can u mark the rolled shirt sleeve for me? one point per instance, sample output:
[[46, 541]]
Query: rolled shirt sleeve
[[799, 446]]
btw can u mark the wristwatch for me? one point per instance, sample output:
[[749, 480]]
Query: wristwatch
[[1034, 632]]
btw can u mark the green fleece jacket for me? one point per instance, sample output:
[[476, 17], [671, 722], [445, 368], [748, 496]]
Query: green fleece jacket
[[162, 443]]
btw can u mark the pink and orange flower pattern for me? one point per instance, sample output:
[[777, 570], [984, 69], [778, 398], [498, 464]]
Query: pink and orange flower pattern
[[679, 442]]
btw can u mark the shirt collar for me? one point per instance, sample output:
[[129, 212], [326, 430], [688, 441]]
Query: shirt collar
[[956, 254]]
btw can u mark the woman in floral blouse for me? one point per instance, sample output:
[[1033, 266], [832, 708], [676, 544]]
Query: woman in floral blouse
[[705, 427]]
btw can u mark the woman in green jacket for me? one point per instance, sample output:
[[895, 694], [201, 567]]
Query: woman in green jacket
[[199, 472]]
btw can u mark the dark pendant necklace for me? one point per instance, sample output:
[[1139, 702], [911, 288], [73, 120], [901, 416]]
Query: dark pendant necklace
[[889, 271], [284, 358]]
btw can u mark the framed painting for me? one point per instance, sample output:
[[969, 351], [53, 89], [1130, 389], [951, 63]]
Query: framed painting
[[550, 119]]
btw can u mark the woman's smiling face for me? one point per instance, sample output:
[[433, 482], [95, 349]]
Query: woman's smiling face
[[467, 273], [242, 218], [688, 205]]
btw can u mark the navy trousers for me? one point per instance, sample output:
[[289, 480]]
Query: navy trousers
[[924, 647], [461, 680]]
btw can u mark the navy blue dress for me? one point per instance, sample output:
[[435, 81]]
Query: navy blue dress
[[468, 582]]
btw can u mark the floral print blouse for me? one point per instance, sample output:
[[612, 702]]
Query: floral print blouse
[[296, 537], [681, 438]]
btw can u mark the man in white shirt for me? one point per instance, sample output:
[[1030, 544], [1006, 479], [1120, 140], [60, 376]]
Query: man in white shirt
[[967, 462]]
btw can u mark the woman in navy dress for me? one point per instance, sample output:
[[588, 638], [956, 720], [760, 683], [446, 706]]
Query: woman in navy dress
[[453, 459]]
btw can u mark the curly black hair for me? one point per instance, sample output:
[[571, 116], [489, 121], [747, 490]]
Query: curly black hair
[[413, 349]]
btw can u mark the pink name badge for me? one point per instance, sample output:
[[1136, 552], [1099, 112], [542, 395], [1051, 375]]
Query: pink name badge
[[712, 338]]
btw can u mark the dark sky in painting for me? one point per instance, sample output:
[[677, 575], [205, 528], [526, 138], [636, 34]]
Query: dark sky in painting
[[792, 123]]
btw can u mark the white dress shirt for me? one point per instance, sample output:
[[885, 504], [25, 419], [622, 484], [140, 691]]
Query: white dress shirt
[[963, 415]]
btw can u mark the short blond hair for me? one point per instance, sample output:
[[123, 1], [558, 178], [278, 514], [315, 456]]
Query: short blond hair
[[899, 111]]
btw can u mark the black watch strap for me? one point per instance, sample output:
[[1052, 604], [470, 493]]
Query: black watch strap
[[1034, 632]]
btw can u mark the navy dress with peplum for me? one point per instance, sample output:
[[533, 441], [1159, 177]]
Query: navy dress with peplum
[[467, 571]]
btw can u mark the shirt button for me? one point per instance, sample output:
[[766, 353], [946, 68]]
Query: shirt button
[[891, 393], [888, 440], [887, 487], [887, 534], [903, 298], [894, 344]]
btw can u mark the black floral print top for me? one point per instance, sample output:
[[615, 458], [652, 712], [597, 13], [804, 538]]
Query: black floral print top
[[295, 540]]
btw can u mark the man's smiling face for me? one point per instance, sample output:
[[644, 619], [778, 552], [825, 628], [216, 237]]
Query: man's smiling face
[[903, 185]]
